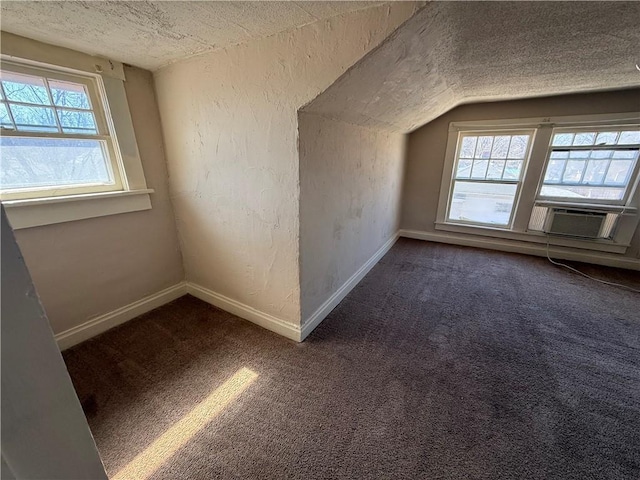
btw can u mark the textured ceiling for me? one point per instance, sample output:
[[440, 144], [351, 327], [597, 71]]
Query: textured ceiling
[[151, 34], [451, 53]]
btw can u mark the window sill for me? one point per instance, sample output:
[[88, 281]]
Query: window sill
[[535, 237], [586, 206], [50, 210]]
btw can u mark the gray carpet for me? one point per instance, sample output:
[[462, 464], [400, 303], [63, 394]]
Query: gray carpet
[[443, 363]]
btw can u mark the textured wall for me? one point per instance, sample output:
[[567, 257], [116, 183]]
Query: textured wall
[[427, 145], [230, 125], [89, 267], [451, 53], [350, 181]]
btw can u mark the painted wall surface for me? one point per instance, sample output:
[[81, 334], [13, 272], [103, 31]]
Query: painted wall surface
[[350, 189], [90, 267], [44, 431], [427, 146], [230, 124]]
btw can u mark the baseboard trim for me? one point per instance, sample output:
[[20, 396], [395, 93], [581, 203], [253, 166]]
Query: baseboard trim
[[514, 246], [242, 310], [332, 302], [102, 323]]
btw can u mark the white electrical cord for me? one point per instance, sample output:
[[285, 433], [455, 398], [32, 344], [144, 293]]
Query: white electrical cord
[[588, 276]]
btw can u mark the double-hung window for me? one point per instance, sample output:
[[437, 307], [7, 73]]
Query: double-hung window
[[55, 136], [487, 176], [588, 165], [537, 178], [68, 148]]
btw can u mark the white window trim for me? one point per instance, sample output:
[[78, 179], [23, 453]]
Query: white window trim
[[531, 182], [134, 195]]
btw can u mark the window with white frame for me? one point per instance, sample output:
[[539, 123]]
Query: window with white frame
[[514, 178], [488, 173], [591, 165], [68, 149], [56, 139]]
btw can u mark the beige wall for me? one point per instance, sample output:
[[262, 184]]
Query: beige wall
[[230, 124], [427, 145], [350, 181], [90, 267]]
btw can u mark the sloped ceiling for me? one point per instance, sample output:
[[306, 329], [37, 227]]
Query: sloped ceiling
[[151, 34], [451, 53]]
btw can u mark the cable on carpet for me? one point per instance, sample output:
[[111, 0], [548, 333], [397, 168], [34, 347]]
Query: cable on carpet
[[575, 270]]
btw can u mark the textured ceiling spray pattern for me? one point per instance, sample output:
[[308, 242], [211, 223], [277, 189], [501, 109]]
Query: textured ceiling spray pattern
[[451, 53], [151, 34]]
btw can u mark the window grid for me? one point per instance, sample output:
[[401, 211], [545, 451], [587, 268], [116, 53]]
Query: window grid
[[602, 163], [52, 106], [62, 144], [495, 163]]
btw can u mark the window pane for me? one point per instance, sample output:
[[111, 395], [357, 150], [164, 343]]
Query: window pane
[[489, 203], [629, 137], [34, 119], [66, 94], [582, 192], [619, 172], [627, 154], [573, 172], [512, 170], [483, 149], [584, 138], [5, 120], [601, 153], [468, 147], [495, 170], [562, 139], [595, 171], [500, 146], [554, 171], [479, 168], [47, 162], [606, 138], [464, 169], [518, 146], [73, 121], [24, 88]]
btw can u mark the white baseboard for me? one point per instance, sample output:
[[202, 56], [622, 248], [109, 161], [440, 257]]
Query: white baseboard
[[102, 323], [242, 310], [321, 313], [504, 245]]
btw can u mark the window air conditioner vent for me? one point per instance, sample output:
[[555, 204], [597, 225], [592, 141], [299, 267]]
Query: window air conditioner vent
[[575, 223]]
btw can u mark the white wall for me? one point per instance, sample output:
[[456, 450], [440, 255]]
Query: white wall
[[44, 431], [230, 125], [86, 268], [350, 190]]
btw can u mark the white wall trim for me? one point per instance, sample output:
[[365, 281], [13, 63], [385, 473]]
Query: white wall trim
[[321, 313], [610, 260], [242, 310], [102, 323]]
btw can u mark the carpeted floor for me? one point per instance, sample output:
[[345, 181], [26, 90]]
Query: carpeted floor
[[445, 362]]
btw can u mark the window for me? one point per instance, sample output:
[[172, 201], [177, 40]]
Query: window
[[520, 179], [591, 165], [55, 136], [68, 149], [488, 173]]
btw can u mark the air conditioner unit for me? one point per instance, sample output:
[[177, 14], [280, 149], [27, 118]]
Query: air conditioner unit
[[577, 223]]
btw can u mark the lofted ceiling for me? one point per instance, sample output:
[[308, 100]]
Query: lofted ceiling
[[151, 34], [450, 53]]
